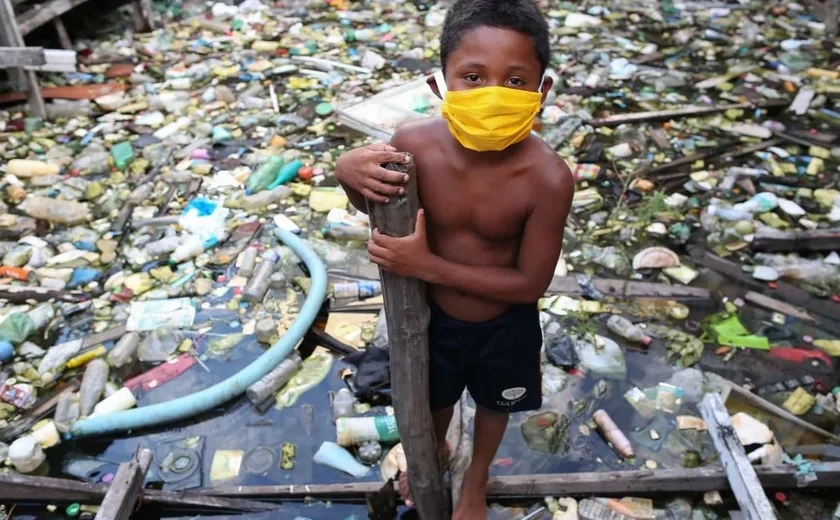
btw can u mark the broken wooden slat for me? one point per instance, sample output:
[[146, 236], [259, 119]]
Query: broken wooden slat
[[686, 160], [691, 111], [19, 294], [626, 289], [407, 311], [778, 306], [11, 36], [609, 483], [126, 487], [806, 240], [740, 473], [784, 291], [21, 56], [43, 13]]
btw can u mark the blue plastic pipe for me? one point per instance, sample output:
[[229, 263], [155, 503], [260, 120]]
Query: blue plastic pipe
[[235, 385]]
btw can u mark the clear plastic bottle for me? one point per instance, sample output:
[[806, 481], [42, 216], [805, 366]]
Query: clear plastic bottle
[[61, 108], [728, 213], [141, 193], [165, 245], [249, 261], [258, 285], [25, 168], [93, 384], [160, 344], [190, 248], [124, 351], [266, 330], [345, 232], [343, 403], [67, 411], [262, 199], [357, 290], [93, 163], [625, 329], [56, 210], [274, 380], [265, 174]]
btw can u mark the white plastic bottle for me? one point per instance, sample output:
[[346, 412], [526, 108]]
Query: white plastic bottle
[[67, 411], [627, 330], [124, 351], [343, 403], [93, 384]]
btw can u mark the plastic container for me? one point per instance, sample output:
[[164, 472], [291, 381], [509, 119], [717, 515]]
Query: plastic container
[[124, 351], [93, 384], [190, 248], [248, 262], [344, 232], [343, 403], [123, 154], [286, 174], [121, 400], [356, 290], [26, 454], [165, 245], [67, 411], [265, 174], [25, 168], [353, 431], [613, 434], [55, 210], [46, 434], [332, 455], [258, 285], [93, 163], [159, 345], [627, 330], [266, 330], [729, 213], [274, 380]]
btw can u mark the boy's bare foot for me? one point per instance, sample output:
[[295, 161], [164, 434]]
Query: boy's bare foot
[[445, 452], [473, 503]]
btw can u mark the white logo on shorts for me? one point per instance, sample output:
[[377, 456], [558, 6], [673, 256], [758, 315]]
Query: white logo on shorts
[[512, 394]]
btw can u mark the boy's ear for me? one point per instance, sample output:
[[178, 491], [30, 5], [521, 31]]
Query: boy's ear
[[432, 82], [548, 82]]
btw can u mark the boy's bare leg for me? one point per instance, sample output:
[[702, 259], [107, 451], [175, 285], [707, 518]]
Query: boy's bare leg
[[441, 419], [490, 427]]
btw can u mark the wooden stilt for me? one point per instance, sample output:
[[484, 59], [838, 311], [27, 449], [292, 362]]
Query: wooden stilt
[[408, 320], [126, 487], [11, 36], [63, 36], [142, 15]]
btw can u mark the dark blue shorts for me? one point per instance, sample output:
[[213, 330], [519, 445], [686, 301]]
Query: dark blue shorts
[[498, 361]]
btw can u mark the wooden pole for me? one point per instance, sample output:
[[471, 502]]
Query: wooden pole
[[11, 36], [832, 13], [126, 487], [407, 314], [740, 473], [63, 36]]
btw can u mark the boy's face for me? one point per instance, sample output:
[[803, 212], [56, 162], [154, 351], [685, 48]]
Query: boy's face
[[494, 57]]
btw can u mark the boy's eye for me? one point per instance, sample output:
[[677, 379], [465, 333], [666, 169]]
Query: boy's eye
[[472, 78], [516, 82]]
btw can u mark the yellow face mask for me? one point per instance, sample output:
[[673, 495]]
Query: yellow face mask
[[489, 118]]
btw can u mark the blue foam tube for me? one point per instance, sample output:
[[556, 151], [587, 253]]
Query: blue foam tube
[[233, 386]]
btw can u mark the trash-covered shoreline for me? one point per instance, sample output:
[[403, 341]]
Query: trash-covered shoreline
[[141, 258]]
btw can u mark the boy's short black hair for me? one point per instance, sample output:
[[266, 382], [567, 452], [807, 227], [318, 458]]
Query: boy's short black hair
[[522, 16]]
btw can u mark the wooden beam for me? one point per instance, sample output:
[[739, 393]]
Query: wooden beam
[[21, 57], [625, 289], [740, 473], [11, 36], [773, 241], [142, 15], [784, 291], [46, 489], [408, 321], [126, 487], [608, 483], [41, 14], [18, 294], [63, 35], [691, 111]]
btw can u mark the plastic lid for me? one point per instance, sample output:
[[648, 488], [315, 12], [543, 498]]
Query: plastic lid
[[73, 510]]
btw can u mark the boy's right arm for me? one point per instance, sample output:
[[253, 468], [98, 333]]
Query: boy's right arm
[[362, 176]]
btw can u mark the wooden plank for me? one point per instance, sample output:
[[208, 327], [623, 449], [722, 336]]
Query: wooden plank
[[609, 483], [21, 56], [18, 487], [126, 487], [740, 473], [12, 37], [778, 306], [63, 35], [804, 240], [18, 294], [408, 321], [626, 289], [142, 15], [69, 92], [41, 14], [784, 291], [690, 111]]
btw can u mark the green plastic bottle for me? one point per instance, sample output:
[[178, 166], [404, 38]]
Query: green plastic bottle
[[286, 174], [265, 174]]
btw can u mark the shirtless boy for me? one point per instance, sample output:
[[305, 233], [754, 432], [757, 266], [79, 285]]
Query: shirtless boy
[[495, 201]]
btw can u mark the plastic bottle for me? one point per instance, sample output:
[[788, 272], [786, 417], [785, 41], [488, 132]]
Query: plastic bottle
[[343, 403], [627, 330], [352, 431], [190, 248], [121, 400], [93, 163], [265, 174], [360, 35], [344, 232], [141, 193], [248, 262], [759, 203], [266, 330], [165, 245], [262, 199], [55, 210], [26, 454], [93, 383], [67, 411], [332, 455], [258, 285], [613, 434], [728, 213], [160, 344], [286, 174], [61, 108], [28, 168], [124, 351], [357, 290], [274, 380]]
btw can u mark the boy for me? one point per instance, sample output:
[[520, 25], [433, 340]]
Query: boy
[[495, 201]]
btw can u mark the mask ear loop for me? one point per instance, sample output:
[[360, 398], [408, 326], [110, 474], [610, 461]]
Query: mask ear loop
[[441, 83]]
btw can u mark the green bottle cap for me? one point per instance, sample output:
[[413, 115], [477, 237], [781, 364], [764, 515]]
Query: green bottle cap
[[323, 109], [73, 510]]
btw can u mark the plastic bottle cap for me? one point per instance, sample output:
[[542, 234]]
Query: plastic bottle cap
[[73, 510]]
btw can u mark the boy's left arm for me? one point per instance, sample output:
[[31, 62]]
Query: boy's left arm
[[539, 251]]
